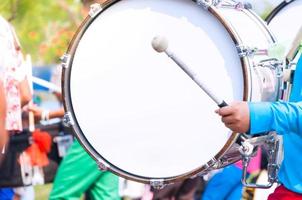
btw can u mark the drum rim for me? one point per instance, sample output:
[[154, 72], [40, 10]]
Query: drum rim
[[102, 162], [276, 10]]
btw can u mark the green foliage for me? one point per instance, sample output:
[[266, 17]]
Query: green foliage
[[44, 27]]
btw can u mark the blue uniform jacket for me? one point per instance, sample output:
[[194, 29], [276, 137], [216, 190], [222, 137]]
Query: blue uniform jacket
[[286, 119]]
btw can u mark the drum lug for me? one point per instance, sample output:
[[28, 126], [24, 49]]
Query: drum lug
[[94, 9], [102, 166], [68, 120], [212, 164], [65, 60], [246, 149], [244, 51], [157, 184], [207, 3], [236, 5]]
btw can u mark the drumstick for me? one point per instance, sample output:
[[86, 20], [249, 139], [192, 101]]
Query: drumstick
[[160, 44], [294, 47]]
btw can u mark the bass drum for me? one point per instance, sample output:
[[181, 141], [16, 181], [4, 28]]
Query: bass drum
[[135, 112], [285, 21]]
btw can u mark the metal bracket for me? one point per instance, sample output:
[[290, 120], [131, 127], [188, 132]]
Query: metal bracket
[[95, 9], [273, 64], [207, 3], [212, 164], [209, 166], [102, 166], [68, 120], [249, 51], [273, 144], [244, 51], [274, 148], [157, 184], [237, 5], [246, 149], [65, 59]]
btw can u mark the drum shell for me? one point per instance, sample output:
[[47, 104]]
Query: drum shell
[[249, 77]]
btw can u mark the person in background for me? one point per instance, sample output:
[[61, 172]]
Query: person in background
[[228, 181], [184, 190], [15, 85], [286, 119], [78, 173]]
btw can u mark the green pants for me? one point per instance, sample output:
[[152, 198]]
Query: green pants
[[79, 174]]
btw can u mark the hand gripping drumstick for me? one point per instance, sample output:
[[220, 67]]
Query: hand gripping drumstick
[[160, 44]]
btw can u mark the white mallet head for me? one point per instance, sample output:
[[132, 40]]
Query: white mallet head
[[160, 44]]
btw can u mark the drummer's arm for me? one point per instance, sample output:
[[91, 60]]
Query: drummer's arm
[[260, 117], [282, 117]]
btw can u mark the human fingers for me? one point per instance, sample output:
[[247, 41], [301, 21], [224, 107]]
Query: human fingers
[[237, 127], [229, 119], [225, 111]]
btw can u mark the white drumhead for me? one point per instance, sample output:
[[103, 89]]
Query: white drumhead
[[136, 107], [286, 24]]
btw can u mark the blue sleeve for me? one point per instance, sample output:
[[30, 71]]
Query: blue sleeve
[[282, 117]]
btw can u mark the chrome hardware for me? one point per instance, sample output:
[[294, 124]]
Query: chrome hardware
[[248, 51], [273, 64], [274, 157], [65, 60], [68, 120], [246, 149], [237, 6], [102, 166], [273, 144], [207, 3], [212, 164], [94, 9], [244, 51], [157, 184]]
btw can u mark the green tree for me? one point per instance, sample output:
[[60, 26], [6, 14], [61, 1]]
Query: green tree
[[44, 27]]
